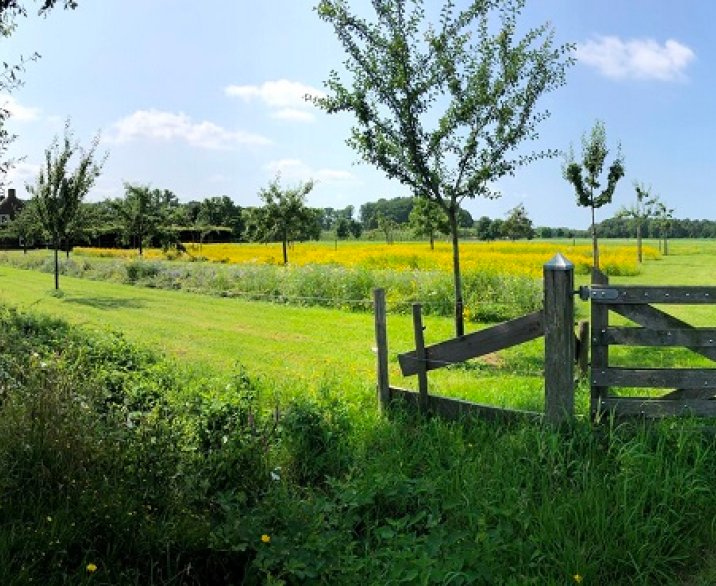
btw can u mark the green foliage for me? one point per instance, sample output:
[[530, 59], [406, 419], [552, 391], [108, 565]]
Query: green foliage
[[284, 216], [443, 107], [427, 218], [315, 438], [585, 176], [59, 191], [518, 224]]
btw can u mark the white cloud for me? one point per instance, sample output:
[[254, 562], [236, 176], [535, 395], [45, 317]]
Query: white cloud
[[297, 170], [170, 126], [637, 58], [17, 110], [286, 98]]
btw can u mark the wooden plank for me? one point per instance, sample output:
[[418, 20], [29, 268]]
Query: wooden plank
[[652, 294], [651, 317], [504, 335], [691, 378], [630, 407], [690, 337], [558, 340], [686, 394], [599, 352], [582, 348], [381, 343], [456, 409], [420, 355]]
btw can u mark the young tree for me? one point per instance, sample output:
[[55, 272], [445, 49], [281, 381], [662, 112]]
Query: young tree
[[663, 217], [427, 218], [518, 224], [443, 108], [59, 191], [644, 208], [139, 213], [284, 216], [585, 176]]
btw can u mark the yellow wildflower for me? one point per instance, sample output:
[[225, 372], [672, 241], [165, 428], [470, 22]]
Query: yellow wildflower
[[578, 578], [266, 538], [91, 568]]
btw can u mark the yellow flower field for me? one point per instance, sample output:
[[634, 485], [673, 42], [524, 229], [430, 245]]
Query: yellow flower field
[[513, 258]]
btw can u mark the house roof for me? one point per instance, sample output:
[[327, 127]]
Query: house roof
[[10, 205]]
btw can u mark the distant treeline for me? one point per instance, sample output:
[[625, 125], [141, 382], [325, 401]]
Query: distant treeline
[[219, 219]]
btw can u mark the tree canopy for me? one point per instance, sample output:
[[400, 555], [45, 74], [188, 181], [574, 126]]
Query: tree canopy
[[443, 107]]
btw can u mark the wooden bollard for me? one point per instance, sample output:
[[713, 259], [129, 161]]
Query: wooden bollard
[[559, 339]]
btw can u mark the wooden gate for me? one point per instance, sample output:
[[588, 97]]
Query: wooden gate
[[555, 322], [693, 389]]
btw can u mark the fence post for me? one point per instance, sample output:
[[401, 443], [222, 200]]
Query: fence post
[[421, 356], [381, 343], [559, 339]]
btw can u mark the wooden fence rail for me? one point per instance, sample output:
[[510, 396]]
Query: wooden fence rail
[[555, 322], [695, 388]]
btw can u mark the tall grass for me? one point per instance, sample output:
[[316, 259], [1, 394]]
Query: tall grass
[[115, 459], [490, 295]]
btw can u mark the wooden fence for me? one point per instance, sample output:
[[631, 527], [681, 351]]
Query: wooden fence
[[555, 321], [694, 387]]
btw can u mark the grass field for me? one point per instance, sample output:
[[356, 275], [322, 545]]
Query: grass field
[[315, 346], [118, 467]]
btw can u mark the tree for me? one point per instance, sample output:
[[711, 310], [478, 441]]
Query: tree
[[443, 108], [59, 191], [221, 212], [643, 209], [518, 224], [284, 216], [585, 176], [427, 218], [139, 213], [663, 217]]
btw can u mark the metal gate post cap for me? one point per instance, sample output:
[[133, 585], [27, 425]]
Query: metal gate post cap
[[559, 263]]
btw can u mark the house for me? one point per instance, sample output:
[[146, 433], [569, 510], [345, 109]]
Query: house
[[10, 206]]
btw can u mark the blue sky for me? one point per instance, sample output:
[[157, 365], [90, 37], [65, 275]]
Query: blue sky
[[205, 98]]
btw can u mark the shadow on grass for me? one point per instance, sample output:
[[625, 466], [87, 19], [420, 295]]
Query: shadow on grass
[[107, 303]]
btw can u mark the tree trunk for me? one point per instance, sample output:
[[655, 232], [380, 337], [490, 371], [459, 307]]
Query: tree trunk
[[140, 238], [666, 244], [67, 248], [638, 242], [432, 240], [595, 245], [57, 264], [284, 244], [459, 305]]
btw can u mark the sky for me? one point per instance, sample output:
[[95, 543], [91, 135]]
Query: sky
[[206, 98]]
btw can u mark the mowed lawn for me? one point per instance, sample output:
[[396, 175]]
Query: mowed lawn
[[312, 348]]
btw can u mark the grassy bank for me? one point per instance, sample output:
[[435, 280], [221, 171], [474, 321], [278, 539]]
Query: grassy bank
[[118, 467]]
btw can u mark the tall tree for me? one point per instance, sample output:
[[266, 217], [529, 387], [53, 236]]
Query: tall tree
[[644, 207], [59, 190], [585, 177], [443, 107], [427, 218], [284, 216]]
